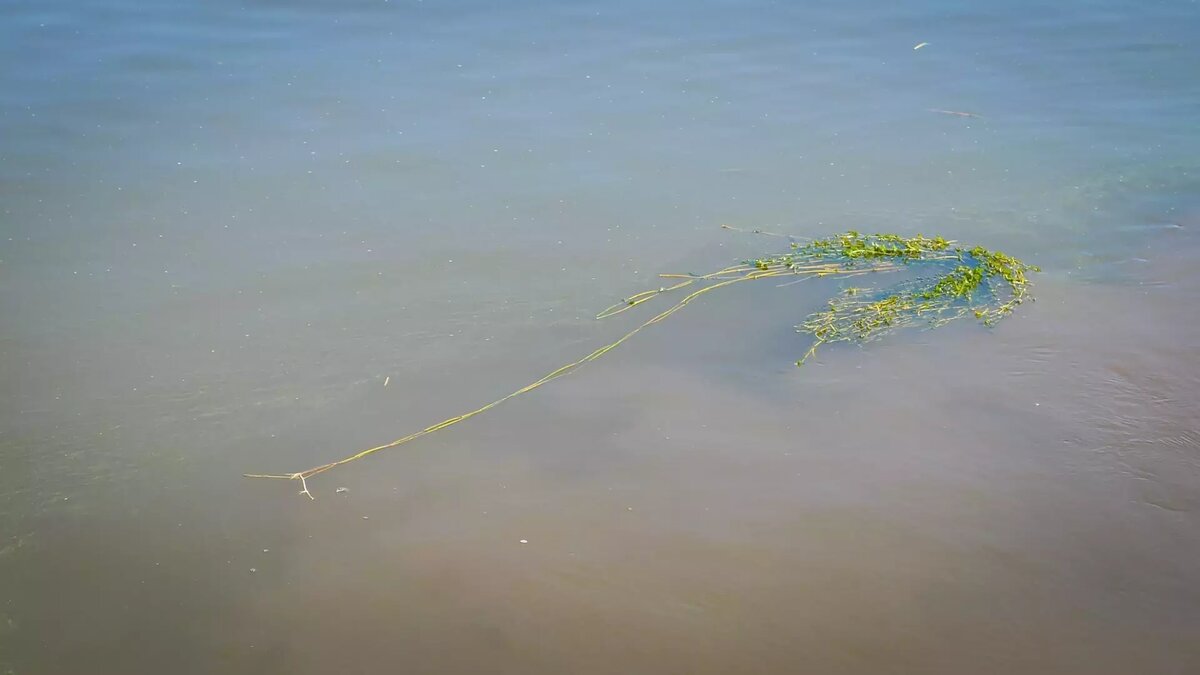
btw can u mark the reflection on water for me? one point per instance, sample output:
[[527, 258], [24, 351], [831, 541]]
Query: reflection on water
[[224, 225]]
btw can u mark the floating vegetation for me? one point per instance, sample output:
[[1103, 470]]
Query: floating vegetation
[[985, 284], [945, 282]]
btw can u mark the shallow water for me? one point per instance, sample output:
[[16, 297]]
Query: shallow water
[[225, 224]]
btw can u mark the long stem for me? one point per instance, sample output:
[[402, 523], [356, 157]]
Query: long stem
[[744, 274]]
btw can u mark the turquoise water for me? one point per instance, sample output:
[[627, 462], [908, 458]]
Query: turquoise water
[[224, 226]]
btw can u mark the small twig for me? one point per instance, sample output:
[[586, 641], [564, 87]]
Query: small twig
[[762, 232], [304, 484], [811, 350], [957, 113]]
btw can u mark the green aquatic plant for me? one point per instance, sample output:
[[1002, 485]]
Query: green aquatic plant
[[985, 284], [944, 282]]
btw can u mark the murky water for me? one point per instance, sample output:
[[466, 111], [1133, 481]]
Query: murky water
[[225, 224]]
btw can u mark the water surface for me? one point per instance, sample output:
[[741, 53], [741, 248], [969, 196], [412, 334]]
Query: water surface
[[225, 224]]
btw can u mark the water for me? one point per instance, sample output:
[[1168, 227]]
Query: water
[[225, 224]]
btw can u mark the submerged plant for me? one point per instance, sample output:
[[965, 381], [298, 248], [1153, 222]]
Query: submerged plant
[[946, 282]]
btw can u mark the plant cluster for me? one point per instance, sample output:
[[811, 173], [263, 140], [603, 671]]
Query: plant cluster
[[966, 281], [947, 282]]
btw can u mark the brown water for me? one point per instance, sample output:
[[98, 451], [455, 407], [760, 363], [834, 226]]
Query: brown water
[[225, 226]]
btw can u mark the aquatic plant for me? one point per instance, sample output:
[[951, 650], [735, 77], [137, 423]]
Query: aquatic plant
[[945, 282], [985, 284]]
